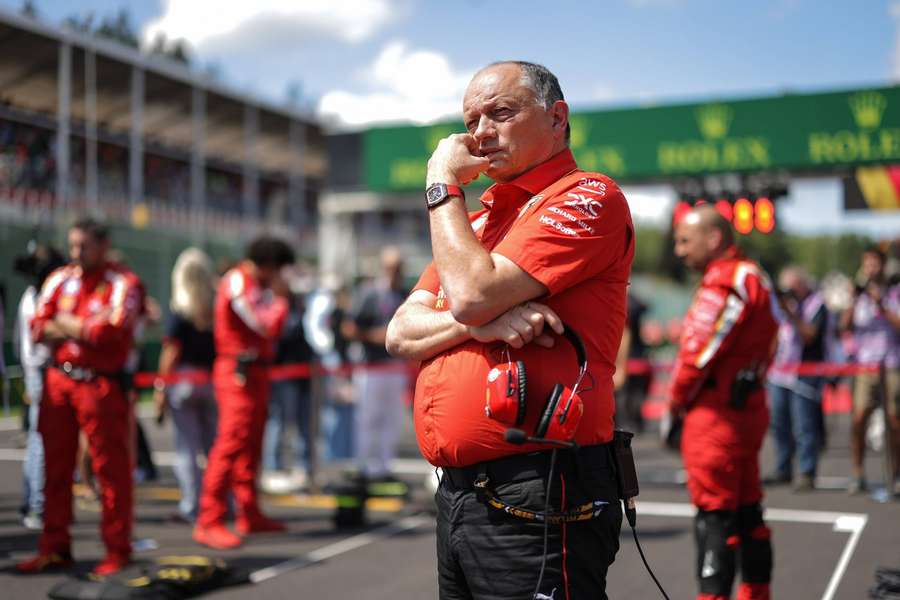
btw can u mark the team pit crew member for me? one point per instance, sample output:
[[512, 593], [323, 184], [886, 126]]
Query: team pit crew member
[[725, 348], [86, 312], [250, 309], [551, 244]]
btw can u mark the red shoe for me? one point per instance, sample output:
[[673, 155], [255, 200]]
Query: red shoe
[[259, 524], [753, 591], [43, 563], [216, 536], [113, 563]]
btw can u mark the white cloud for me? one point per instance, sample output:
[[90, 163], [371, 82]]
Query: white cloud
[[403, 85], [204, 22]]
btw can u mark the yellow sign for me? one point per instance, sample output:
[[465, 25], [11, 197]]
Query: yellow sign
[[714, 120], [140, 216], [867, 109], [865, 144], [727, 154]]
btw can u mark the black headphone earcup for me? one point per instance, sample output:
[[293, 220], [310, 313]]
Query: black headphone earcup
[[520, 415], [549, 409]]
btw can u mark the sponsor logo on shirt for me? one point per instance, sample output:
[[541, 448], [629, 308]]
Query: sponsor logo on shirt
[[566, 214], [584, 204], [553, 223], [531, 202]]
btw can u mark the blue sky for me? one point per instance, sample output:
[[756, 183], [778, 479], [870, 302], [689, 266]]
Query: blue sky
[[364, 61]]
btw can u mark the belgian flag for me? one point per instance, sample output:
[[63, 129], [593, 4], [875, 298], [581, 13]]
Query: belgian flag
[[873, 188]]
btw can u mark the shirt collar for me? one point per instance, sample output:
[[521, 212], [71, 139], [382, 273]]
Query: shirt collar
[[534, 180]]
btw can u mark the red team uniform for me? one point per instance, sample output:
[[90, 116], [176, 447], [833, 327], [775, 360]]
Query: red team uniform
[[728, 329], [83, 389], [248, 320]]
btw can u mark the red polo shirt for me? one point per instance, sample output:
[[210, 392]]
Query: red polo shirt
[[572, 231]]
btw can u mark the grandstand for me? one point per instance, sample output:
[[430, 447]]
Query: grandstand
[[167, 155]]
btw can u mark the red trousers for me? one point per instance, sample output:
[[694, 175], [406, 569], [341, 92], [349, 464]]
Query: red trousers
[[234, 458], [100, 409], [720, 449]]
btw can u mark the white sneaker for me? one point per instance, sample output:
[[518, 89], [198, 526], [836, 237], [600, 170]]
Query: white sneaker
[[33, 521], [275, 482]]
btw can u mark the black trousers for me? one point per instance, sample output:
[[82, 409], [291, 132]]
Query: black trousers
[[486, 554]]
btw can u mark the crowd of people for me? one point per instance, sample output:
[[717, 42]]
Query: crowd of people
[[515, 399], [78, 326]]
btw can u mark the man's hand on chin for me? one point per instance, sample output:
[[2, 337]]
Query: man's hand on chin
[[455, 161]]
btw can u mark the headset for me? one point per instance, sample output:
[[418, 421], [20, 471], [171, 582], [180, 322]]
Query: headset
[[505, 400]]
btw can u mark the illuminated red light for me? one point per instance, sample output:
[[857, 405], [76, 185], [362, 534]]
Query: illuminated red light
[[743, 216], [764, 217]]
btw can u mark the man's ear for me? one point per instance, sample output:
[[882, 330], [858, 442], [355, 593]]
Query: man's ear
[[714, 239], [560, 113]]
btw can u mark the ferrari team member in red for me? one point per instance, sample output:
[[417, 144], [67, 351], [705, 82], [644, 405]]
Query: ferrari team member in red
[[726, 346], [86, 312], [250, 309]]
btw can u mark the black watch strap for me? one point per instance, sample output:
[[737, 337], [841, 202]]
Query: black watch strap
[[438, 193]]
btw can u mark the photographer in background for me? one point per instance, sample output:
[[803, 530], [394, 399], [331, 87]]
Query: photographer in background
[[874, 320], [35, 266], [796, 400]]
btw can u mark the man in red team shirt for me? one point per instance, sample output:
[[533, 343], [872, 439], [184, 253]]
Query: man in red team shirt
[[551, 244], [86, 312], [250, 309], [717, 385]]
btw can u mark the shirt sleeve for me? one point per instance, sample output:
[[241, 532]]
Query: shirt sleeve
[[429, 280], [265, 317], [175, 330], [572, 236], [125, 306], [46, 307]]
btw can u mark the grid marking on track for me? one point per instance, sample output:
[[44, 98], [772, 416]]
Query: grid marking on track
[[852, 523]]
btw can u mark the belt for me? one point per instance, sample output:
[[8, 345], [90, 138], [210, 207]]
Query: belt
[[523, 467], [76, 373]]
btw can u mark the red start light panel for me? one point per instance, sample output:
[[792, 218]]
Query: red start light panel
[[744, 214]]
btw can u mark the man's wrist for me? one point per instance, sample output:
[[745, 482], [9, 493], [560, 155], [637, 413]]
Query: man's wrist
[[441, 176], [439, 193]]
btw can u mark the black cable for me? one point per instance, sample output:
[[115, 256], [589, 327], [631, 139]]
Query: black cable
[[643, 558], [540, 580]]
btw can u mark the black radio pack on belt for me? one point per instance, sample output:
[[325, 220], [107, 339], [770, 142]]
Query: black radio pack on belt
[[745, 382], [626, 472]]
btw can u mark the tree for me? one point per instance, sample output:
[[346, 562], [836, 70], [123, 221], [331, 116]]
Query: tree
[[28, 9], [118, 28]]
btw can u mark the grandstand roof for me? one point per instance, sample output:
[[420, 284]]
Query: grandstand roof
[[29, 57]]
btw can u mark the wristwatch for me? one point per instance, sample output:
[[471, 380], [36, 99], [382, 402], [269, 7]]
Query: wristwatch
[[438, 193]]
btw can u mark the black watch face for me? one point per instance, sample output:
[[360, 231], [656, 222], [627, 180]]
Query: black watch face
[[435, 194]]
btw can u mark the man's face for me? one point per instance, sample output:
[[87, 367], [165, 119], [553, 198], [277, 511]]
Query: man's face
[[872, 265], [509, 126], [692, 244], [85, 250]]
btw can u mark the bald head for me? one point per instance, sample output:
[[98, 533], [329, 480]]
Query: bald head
[[701, 236]]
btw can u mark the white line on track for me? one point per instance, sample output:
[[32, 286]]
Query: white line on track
[[341, 547], [852, 523]]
